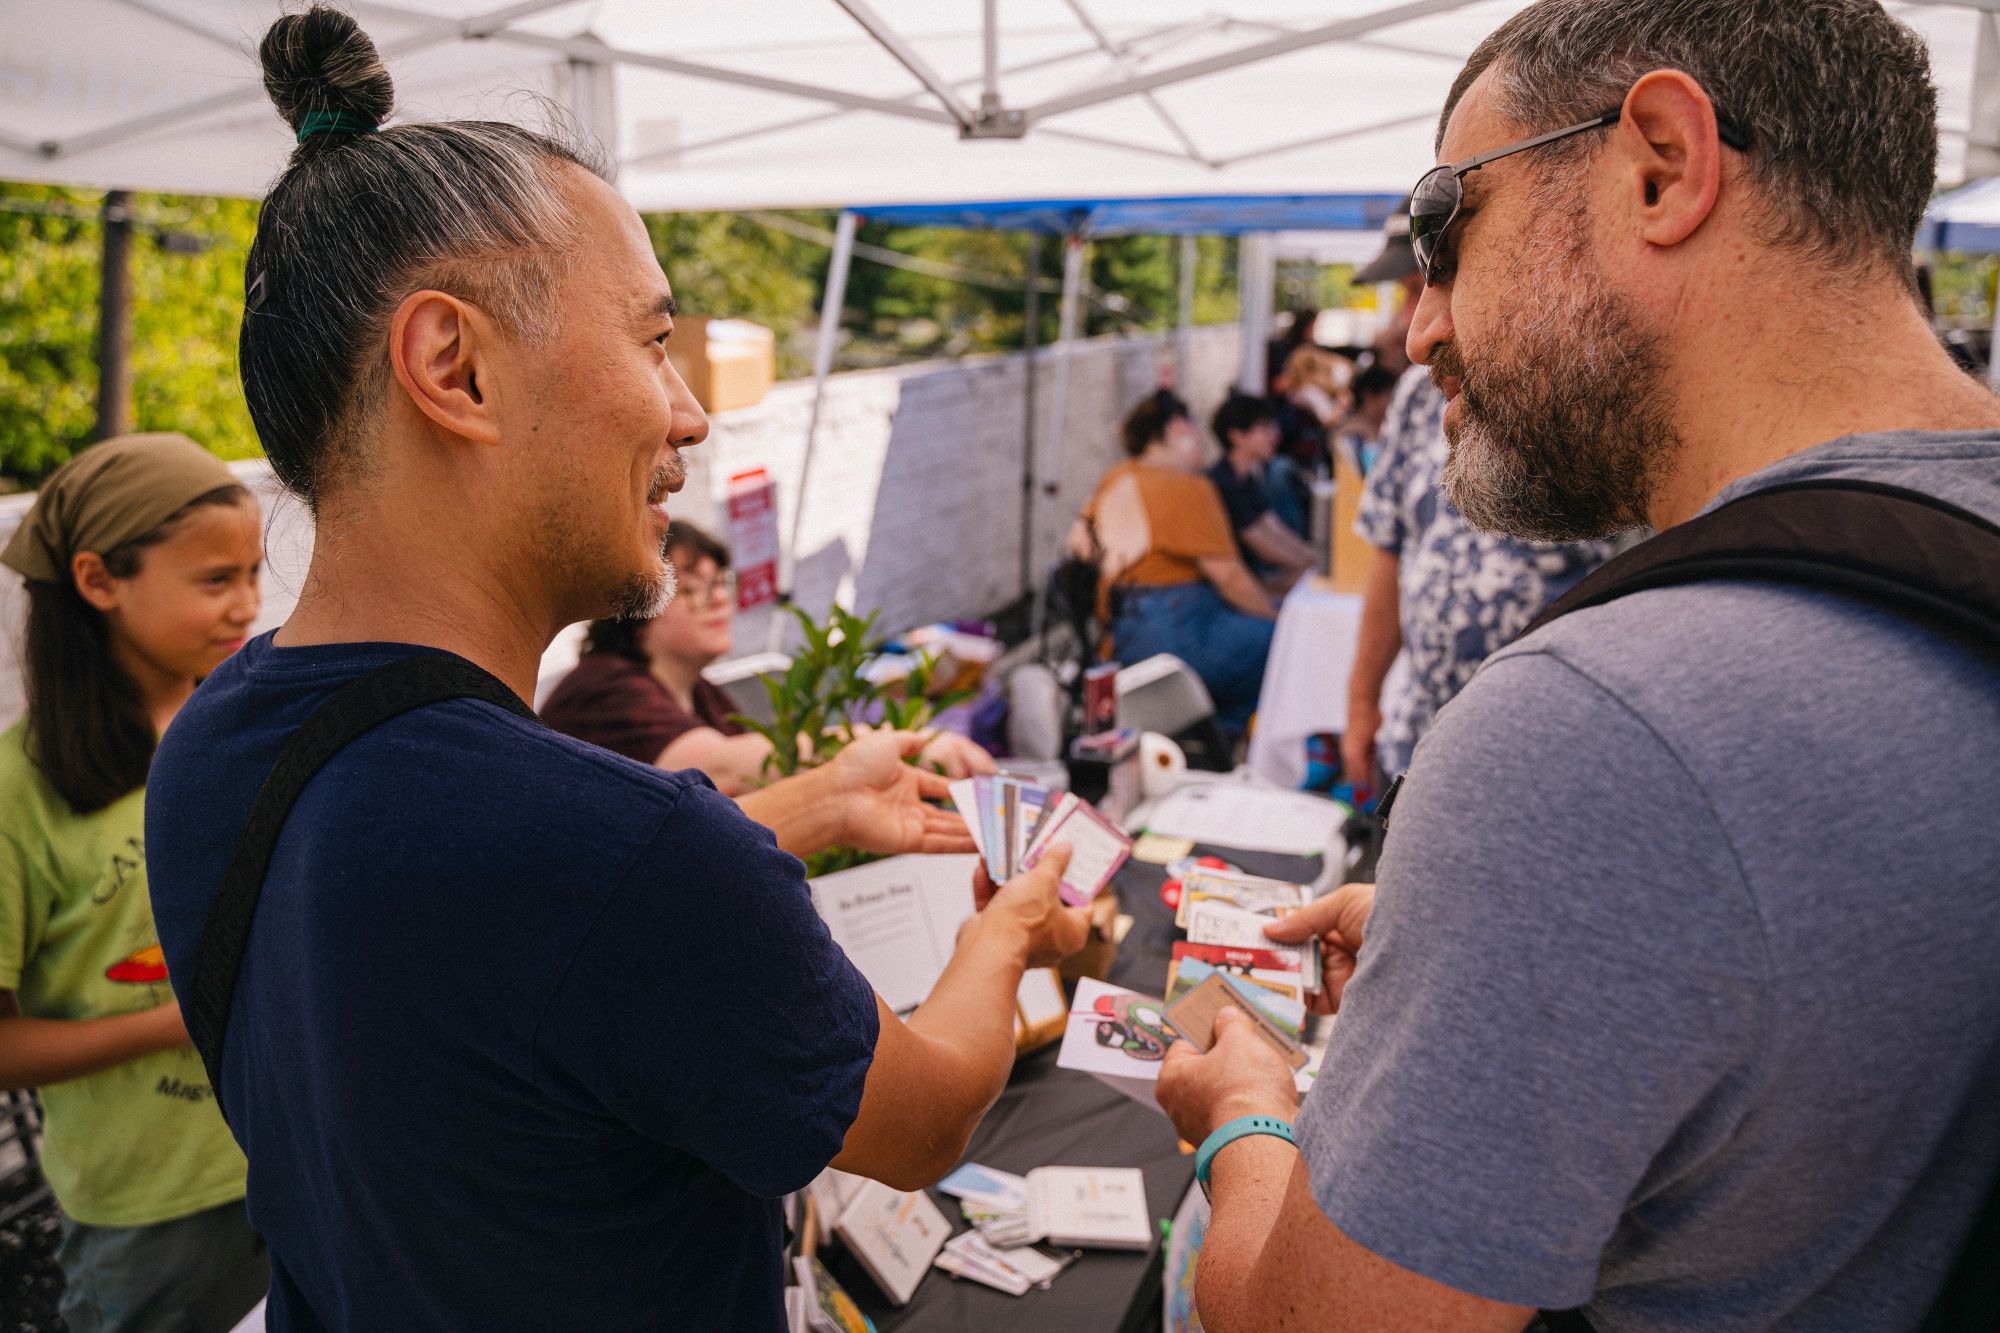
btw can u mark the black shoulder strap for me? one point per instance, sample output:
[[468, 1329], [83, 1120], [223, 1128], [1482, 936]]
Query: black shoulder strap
[[1912, 552], [356, 708]]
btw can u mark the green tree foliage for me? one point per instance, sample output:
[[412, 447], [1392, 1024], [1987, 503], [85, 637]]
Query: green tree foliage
[[187, 305], [185, 312]]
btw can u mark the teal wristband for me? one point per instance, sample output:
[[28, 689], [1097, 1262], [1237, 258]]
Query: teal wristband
[[1240, 1128]]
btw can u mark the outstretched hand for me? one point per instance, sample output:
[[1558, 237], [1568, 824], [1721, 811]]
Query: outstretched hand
[[884, 801], [1336, 922]]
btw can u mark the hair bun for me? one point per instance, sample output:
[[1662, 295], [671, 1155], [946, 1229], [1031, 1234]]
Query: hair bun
[[321, 61]]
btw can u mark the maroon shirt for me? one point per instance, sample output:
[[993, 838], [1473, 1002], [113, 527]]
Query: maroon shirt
[[614, 702]]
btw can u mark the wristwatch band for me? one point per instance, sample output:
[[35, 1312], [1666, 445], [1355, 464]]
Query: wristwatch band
[[1240, 1128]]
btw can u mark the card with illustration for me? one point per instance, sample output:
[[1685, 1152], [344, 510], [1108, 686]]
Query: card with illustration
[[1193, 1017]]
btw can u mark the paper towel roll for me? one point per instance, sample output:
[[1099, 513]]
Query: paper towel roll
[[1162, 765]]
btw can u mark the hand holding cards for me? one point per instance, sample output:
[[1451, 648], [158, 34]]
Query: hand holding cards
[[1193, 1016], [1014, 822]]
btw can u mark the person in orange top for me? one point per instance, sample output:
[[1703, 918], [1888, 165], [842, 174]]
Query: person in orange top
[[1171, 578]]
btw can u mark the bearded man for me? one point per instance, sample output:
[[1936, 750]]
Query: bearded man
[[1657, 1015]]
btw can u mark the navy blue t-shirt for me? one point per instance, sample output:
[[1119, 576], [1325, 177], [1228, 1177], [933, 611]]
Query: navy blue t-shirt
[[1246, 502], [528, 1035]]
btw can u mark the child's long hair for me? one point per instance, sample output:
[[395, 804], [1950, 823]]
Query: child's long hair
[[88, 728]]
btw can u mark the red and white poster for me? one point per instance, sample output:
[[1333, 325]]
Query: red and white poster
[[753, 538]]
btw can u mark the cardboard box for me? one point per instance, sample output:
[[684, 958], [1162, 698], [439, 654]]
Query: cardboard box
[[726, 363]]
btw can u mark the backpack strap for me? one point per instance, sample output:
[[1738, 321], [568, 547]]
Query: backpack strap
[[356, 708], [1916, 554]]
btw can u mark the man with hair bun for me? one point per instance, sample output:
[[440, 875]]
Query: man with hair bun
[[1673, 1008], [516, 1033]]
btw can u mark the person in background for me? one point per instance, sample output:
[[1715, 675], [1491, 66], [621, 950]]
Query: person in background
[[1170, 576], [1247, 430], [1359, 436], [1442, 592], [1298, 333], [141, 556], [638, 689]]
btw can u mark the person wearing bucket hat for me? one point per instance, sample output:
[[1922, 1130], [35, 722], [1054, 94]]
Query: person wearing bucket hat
[[141, 559]]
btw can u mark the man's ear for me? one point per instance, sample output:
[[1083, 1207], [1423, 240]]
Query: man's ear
[[94, 583], [441, 350], [1675, 160]]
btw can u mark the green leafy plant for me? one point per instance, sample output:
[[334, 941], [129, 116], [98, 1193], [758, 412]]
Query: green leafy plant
[[826, 693]]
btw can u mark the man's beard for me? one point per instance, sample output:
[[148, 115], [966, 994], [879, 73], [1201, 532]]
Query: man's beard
[[645, 595], [1563, 419]]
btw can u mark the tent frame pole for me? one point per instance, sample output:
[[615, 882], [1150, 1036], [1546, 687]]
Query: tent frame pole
[[1030, 336], [829, 333], [1072, 291], [1256, 278], [1184, 328]]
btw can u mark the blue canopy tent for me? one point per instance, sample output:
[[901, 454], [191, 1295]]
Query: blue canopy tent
[[1253, 217]]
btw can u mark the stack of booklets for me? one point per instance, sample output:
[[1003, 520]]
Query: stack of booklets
[[1013, 821], [1076, 1207]]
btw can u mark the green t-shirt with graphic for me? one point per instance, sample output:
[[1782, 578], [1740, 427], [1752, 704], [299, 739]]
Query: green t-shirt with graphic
[[142, 1142]]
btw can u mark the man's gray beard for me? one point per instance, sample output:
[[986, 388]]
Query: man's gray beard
[[646, 595], [1563, 422]]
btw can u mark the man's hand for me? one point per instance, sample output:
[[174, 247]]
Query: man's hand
[[1357, 744], [1336, 921], [1054, 931], [1242, 1074], [882, 800]]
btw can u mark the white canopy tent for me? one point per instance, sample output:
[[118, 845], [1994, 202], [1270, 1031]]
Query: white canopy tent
[[771, 103]]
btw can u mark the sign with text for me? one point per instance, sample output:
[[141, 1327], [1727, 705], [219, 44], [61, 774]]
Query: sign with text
[[753, 538]]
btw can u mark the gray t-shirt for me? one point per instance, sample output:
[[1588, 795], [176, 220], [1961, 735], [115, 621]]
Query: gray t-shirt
[[1680, 998]]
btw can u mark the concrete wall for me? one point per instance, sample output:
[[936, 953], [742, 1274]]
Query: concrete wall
[[914, 503]]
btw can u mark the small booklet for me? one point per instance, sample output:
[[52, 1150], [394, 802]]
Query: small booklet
[[1090, 1207], [893, 1235]]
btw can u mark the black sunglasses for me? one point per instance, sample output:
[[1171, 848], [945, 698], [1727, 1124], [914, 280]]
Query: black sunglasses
[[1435, 203]]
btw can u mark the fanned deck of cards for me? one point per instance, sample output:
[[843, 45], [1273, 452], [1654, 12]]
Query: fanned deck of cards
[[1221, 908], [1014, 822]]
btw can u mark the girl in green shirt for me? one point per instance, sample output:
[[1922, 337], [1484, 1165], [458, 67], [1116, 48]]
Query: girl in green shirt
[[141, 557]]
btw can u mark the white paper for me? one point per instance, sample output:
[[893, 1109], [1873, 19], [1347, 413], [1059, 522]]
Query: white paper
[[1254, 819], [965, 796], [897, 920], [1041, 996]]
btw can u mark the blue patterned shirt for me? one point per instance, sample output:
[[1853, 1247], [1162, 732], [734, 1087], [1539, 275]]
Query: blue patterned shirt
[[1463, 594]]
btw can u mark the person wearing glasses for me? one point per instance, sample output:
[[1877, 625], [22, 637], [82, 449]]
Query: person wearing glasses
[[1656, 1019], [638, 688]]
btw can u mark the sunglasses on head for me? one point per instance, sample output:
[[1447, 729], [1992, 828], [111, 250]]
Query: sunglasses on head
[[1435, 203]]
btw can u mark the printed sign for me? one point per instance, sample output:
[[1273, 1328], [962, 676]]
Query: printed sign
[[753, 538]]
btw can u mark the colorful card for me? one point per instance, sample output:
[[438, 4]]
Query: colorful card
[[1097, 848], [1193, 1017]]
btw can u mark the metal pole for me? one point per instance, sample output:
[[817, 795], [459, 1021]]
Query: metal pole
[[829, 332], [1031, 334], [990, 75], [1071, 300], [114, 320], [1255, 276], [1993, 348], [1184, 336]]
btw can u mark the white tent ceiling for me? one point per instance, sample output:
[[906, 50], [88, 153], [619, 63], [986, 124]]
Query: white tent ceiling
[[772, 103]]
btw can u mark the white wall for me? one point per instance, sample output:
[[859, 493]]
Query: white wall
[[914, 506]]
